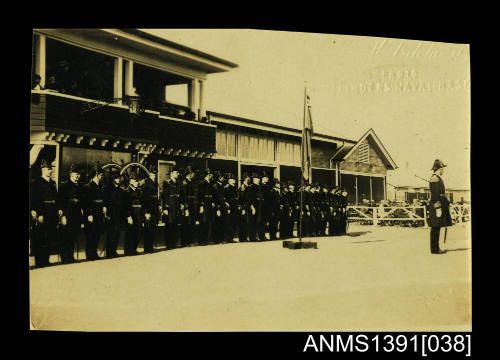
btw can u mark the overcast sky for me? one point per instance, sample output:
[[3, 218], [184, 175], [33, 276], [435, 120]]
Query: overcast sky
[[414, 94]]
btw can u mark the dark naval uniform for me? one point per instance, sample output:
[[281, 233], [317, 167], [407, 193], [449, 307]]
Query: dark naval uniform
[[285, 216], [70, 202], [43, 196], [207, 217], [273, 198], [93, 206], [343, 215], [255, 204], [438, 202], [325, 210], [243, 216], [267, 205], [189, 197], [292, 197], [151, 207], [115, 200], [134, 209], [220, 212], [172, 203], [232, 215]]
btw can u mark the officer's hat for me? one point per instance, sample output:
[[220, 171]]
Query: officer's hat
[[219, 175], [114, 174], [255, 175], [153, 169], [230, 175], [245, 176], [438, 164], [190, 170], [316, 184], [176, 168], [291, 183], [74, 169], [96, 169], [264, 175], [134, 176], [45, 164], [275, 181], [206, 172]]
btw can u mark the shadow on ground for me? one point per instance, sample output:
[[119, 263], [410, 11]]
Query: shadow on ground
[[458, 249], [368, 241], [358, 233]]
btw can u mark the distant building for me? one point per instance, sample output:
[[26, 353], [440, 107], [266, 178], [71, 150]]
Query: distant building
[[409, 193]]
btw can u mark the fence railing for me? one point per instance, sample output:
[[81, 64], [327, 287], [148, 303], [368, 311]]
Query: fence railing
[[401, 215]]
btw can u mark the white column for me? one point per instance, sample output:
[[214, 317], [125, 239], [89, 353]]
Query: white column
[[356, 178], [385, 189], [41, 58], [118, 80], [202, 100], [192, 100], [129, 77], [371, 190]]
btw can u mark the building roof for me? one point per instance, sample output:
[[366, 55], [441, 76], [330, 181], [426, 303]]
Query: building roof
[[259, 125], [160, 40], [346, 151]]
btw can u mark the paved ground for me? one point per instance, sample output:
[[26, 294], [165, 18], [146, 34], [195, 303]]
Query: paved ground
[[380, 278]]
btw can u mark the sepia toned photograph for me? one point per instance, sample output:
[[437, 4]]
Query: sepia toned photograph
[[229, 180]]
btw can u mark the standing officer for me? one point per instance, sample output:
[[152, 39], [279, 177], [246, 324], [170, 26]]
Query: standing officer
[[189, 197], [244, 209], [232, 213], [134, 214], [285, 214], [115, 200], [343, 211], [43, 196], [294, 205], [151, 209], [266, 207], [70, 210], [255, 203], [332, 211], [221, 207], [207, 207], [273, 199], [325, 209], [94, 210], [439, 207], [172, 208]]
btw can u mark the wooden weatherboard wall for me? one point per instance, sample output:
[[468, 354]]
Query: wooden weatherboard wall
[[375, 165]]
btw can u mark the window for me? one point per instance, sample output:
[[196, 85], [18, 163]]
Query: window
[[363, 153]]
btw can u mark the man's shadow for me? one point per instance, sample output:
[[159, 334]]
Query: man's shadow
[[458, 249], [358, 233]]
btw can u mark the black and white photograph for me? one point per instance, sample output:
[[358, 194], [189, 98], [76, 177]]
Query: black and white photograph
[[245, 180]]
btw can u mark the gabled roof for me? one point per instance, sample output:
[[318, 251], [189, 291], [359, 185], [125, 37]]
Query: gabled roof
[[345, 151]]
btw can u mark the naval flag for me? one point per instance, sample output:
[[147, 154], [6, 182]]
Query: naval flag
[[307, 134]]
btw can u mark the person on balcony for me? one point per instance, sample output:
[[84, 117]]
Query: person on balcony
[[439, 208], [52, 83], [36, 83]]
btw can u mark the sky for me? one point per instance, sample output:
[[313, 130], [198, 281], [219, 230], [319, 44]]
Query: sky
[[414, 94]]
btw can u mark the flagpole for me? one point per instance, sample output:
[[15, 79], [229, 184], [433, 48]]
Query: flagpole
[[302, 172]]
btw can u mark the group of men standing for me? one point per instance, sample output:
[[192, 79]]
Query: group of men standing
[[196, 206]]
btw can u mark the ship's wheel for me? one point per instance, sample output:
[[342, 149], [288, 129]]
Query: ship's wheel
[[136, 167]]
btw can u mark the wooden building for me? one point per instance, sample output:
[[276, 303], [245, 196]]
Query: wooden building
[[115, 110], [93, 116]]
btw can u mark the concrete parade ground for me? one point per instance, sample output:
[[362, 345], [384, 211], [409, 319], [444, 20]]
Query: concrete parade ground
[[373, 279]]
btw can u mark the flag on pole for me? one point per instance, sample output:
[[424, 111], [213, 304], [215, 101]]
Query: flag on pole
[[307, 134]]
